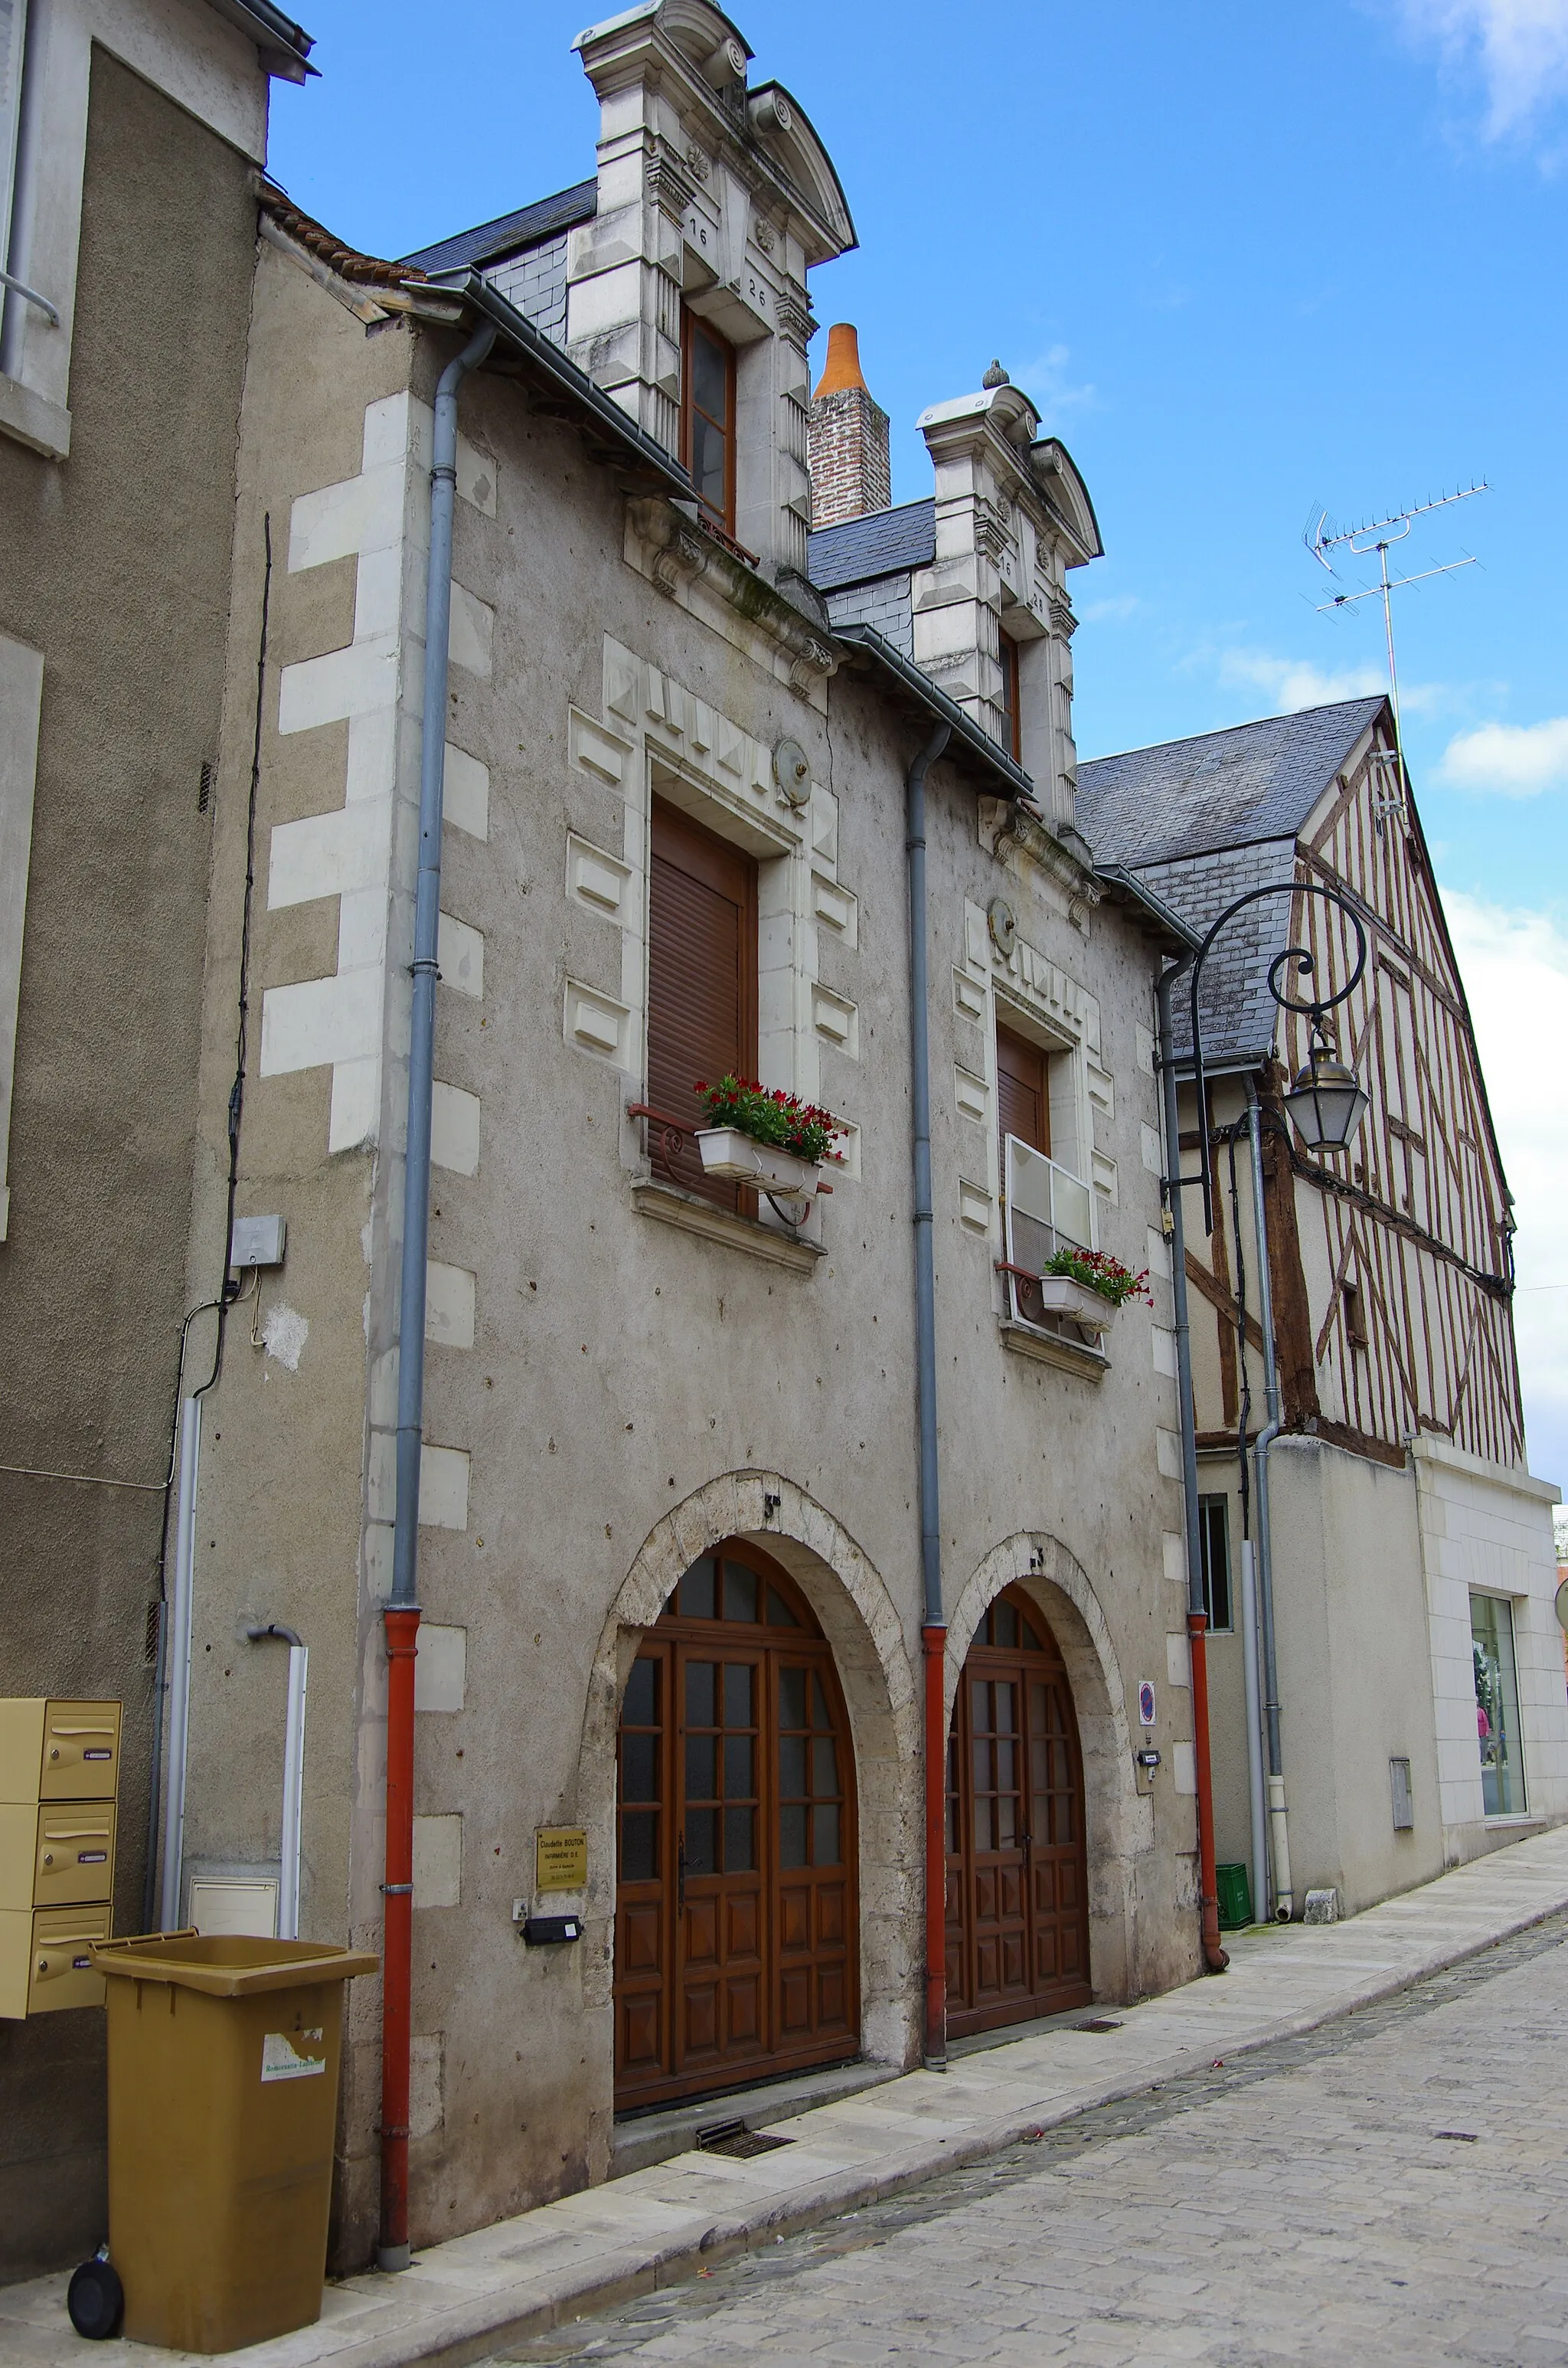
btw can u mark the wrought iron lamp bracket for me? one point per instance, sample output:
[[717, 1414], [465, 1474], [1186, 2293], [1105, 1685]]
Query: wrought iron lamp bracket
[[1304, 962]]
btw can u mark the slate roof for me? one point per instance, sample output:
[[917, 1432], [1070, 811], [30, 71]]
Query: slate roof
[[888, 542], [546, 217], [1223, 788], [1203, 821]]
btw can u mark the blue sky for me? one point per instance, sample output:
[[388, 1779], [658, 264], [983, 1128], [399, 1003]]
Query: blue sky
[[1251, 263]]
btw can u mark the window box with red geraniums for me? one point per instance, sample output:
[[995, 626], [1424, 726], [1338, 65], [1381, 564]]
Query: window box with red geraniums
[[763, 1136], [1088, 1286]]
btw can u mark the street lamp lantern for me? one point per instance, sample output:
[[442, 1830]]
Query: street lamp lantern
[[1327, 1102]]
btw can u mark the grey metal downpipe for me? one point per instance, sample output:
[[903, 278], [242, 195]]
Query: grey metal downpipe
[[426, 924], [933, 1619], [400, 1614], [1284, 1902], [925, 1259], [1214, 1956], [1178, 1294]]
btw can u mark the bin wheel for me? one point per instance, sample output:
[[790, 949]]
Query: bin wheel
[[96, 2299]]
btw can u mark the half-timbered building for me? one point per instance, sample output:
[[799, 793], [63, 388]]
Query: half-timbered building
[[1421, 1705]]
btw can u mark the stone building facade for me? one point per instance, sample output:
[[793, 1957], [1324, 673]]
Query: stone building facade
[[670, 1425]]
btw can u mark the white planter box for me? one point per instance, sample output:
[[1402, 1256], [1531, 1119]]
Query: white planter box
[[1062, 1296], [727, 1151]]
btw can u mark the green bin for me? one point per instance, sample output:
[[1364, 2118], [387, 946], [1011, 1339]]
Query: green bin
[[1235, 1897], [222, 2105]]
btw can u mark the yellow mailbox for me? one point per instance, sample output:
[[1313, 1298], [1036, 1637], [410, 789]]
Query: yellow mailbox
[[59, 1773]]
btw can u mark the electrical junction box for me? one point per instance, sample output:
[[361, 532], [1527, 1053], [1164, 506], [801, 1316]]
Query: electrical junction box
[[257, 1241], [59, 1772]]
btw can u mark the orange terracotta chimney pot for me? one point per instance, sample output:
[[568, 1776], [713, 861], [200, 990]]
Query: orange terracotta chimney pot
[[842, 368]]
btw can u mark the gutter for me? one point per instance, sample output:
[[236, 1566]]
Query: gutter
[[515, 333], [283, 47], [1127, 884]]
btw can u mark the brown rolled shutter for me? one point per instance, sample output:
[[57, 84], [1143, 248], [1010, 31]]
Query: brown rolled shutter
[[701, 975], [1022, 1098]]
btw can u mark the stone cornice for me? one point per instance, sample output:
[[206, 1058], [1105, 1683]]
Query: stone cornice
[[695, 569], [1010, 831]]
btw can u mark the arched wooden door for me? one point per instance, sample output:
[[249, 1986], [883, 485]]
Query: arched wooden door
[[736, 1913], [1018, 1906]]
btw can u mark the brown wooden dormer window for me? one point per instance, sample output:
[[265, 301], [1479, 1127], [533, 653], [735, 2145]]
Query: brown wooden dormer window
[[707, 420], [1007, 656]]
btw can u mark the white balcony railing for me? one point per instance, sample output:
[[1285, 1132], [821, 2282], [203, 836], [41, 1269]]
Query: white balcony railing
[[1045, 1206]]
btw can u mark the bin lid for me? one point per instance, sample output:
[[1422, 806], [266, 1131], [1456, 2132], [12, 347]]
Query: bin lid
[[229, 1964]]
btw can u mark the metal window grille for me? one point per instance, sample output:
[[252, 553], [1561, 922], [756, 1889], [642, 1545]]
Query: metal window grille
[[1046, 1207]]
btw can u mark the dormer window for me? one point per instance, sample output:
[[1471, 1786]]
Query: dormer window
[[708, 416], [1012, 731]]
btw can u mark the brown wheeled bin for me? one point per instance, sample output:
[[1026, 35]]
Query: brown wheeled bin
[[223, 2056]]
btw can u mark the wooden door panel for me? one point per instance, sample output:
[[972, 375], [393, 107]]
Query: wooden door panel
[[742, 1918], [640, 2035], [642, 1938], [832, 1998], [699, 2020], [742, 2010], [735, 1943], [795, 1919], [702, 1937], [795, 2002], [1017, 1876]]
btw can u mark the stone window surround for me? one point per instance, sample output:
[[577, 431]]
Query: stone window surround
[[187, 51], [658, 737]]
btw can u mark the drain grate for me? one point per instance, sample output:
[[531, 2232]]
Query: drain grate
[[1098, 2022], [1465, 2137], [735, 2139]]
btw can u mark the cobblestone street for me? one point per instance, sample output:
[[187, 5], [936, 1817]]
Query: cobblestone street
[[1391, 2187]]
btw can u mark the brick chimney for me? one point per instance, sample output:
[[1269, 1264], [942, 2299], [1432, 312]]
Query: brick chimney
[[848, 438]]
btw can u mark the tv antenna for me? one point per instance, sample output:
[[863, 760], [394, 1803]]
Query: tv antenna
[[1380, 535]]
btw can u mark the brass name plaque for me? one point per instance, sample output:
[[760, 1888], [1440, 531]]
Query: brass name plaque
[[560, 1858]]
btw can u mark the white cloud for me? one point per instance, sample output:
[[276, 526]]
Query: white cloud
[[1293, 683], [1516, 760], [1515, 964], [1048, 385], [1521, 47], [1111, 612]]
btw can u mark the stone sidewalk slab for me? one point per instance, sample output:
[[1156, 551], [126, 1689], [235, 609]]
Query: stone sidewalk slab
[[587, 2252]]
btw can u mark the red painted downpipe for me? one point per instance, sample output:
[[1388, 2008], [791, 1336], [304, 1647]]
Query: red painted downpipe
[[934, 1641], [397, 1944], [1214, 1956]]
